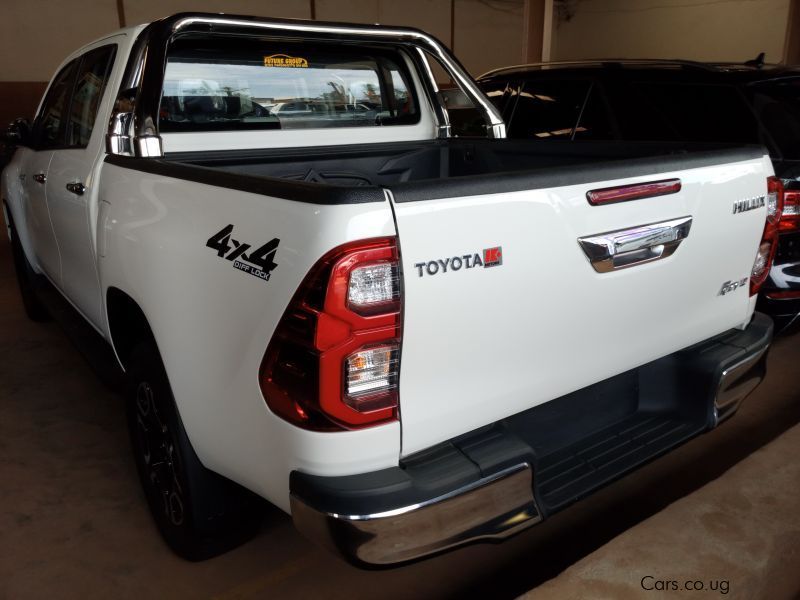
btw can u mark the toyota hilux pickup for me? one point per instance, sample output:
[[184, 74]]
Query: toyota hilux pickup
[[320, 297]]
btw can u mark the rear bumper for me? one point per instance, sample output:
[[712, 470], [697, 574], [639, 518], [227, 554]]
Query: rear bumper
[[503, 478]]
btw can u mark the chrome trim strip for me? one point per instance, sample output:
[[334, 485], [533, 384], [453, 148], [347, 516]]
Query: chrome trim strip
[[443, 117], [495, 507], [463, 490], [625, 248], [735, 384], [149, 145], [145, 70]]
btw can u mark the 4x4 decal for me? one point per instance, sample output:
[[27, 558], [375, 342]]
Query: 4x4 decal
[[259, 263]]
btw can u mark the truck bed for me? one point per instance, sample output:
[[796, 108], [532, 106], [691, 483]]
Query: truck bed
[[393, 165]]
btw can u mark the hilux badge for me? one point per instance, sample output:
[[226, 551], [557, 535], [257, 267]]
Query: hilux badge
[[748, 204]]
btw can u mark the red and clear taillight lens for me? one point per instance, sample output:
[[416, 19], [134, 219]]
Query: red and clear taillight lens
[[775, 200], [334, 360], [374, 288], [769, 239], [761, 265], [370, 377], [790, 219]]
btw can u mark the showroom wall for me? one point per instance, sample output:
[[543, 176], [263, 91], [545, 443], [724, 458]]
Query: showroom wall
[[35, 35], [720, 30]]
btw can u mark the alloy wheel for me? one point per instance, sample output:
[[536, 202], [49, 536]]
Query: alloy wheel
[[158, 449]]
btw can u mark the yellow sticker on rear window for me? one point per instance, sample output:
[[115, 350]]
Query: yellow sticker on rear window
[[284, 60]]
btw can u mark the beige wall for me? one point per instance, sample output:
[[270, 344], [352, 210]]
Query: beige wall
[[144, 11], [36, 35], [431, 15], [721, 30], [489, 33]]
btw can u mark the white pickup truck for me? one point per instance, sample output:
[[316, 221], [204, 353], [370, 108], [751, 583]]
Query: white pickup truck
[[320, 297]]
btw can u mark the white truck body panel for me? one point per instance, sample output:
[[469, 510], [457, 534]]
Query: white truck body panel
[[205, 312], [33, 211], [482, 344]]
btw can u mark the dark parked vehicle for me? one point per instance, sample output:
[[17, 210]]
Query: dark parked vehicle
[[680, 101]]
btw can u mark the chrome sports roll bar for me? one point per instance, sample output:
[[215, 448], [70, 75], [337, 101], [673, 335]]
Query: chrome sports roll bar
[[133, 129]]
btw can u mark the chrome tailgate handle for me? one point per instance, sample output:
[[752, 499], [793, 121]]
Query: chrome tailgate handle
[[630, 247]]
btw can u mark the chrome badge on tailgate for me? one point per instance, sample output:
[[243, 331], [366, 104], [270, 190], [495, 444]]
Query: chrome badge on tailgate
[[749, 204]]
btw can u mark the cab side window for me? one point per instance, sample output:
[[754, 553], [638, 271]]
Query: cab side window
[[89, 86], [69, 110], [52, 119]]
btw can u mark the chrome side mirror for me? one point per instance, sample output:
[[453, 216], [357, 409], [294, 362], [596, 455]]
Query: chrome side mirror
[[118, 140]]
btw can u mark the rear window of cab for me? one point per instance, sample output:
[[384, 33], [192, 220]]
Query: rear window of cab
[[223, 85]]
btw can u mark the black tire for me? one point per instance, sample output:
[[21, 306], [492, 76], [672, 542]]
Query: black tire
[[25, 277], [200, 514]]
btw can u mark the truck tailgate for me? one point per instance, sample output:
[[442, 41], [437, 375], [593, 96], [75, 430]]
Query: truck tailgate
[[526, 318]]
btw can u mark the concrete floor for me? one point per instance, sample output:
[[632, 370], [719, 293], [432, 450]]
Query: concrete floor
[[738, 536], [73, 522]]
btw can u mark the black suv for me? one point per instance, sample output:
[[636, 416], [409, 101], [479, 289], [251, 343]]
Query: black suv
[[677, 101]]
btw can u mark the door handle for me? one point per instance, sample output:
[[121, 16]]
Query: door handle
[[40, 178], [76, 188], [630, 247]]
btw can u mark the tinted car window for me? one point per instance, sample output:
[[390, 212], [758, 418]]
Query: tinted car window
[[230, 85], [51, 122], [637, 116], [547, 109], [777, 104], [704, 113], [595, 121], [498, 92], [91, 81]]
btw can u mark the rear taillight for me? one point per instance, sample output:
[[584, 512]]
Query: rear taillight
[[775, 199], [790, 219], [334, 359], [769, 239]]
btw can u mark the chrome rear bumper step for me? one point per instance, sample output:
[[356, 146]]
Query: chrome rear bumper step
[[495, 507], [496, 481]]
